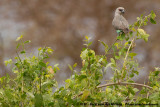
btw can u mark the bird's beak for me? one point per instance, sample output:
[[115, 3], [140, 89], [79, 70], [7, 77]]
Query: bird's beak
[[123, 11]]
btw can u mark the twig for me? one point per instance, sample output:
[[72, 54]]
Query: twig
[[119, 83], [128, 52], [19, 59], [112, 45], [125, 59], [78, 95], [124, 83]]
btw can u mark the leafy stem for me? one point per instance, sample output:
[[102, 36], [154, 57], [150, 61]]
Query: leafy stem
[[125, 59], [21, 75]]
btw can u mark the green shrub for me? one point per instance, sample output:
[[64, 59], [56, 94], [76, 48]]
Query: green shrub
[[34, 82]]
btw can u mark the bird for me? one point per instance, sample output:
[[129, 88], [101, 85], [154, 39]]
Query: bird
[[119, 23]]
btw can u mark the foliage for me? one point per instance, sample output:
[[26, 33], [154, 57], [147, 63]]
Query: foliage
[[35, 81]]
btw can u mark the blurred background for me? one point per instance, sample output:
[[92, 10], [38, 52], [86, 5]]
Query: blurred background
[[63, 24]]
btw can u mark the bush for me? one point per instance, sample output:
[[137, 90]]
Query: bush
[[34, 81]]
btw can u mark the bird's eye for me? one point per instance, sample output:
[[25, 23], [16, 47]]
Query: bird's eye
[[120, 10]]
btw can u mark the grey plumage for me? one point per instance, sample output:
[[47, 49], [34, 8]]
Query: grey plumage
[[119, 22]]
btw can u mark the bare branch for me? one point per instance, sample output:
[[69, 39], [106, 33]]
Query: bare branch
[[124, 83]]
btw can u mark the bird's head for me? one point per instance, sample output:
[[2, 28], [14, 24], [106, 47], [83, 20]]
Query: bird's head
[[120, 10]]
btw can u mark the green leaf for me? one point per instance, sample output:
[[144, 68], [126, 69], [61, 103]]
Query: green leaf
[[108, 65], [23, 96], [112, 60], [75, 65], [141, 31], [136, 72], [85, 95], [130, 89], [117, 57], [23, 52], [68, 80], [116, 44], [46, 84], [49, 50], [154, 96], [137, 23], [69, 83], [42, 64], [143, 34], [90, 43], [30, 94], [102, 43], [144, 101], [156, 73], [108, 90], [47, 97], [152, 21], [39, 49], [70, 67], [28, 41], [8, 94], [57, 68], [56, 65], [145, 37], [89, 53], [135, 90], [125, 92], [18, 45], [38, 100], [81, 77], [19, 38], [145, 20], [87, 38], [127, 37], [138, 19], [132, 54], [131, 75], [84, 54], [143, 91], [56, 104], [8, 62], [153, 15], [121, 37], [105, 46]]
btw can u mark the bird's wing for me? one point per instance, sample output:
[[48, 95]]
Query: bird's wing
[[124, 23], [116, 23], [120, 23]]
